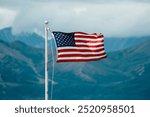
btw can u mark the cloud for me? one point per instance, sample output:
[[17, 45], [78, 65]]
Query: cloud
[[92, 1], [6, 17], [126, 18]]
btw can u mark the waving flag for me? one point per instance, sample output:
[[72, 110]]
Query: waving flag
[[79, 47]]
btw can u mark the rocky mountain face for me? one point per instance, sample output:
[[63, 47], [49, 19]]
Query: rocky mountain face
[[123, 74], [31, 39]]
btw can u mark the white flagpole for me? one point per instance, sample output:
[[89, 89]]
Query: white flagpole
[[46, 60]]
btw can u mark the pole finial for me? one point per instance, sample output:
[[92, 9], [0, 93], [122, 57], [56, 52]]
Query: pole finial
[[46, 22]]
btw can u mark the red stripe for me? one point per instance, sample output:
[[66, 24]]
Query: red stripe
[[81, 33], [90, 46], [81, 55], [79, 50], [89, 41], [80, 60], [89, 36], [99, 36]]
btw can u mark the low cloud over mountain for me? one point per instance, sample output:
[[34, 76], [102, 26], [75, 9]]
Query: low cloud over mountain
[[117, 18]]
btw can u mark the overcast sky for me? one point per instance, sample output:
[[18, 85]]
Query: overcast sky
[[111, 17]]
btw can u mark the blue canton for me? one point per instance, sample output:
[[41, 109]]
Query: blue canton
[[64, 39]]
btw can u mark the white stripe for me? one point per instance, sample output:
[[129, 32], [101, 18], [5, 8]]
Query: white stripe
[[89, 44], [80, 48], [83, 58], [89, 39], [79, 34], [94, 35], [84, 53]]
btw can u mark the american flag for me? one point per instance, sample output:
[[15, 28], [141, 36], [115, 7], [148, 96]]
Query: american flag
[[79, 47]]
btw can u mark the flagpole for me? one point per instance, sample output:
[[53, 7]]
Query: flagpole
[[46, 60]]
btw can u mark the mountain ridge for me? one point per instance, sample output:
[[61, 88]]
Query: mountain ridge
[[35, 40], [31, 39], [123, 74]]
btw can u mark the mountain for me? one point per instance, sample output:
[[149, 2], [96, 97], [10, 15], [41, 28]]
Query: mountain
[[31, 39], [35, 40], [120, 43], [123, 74], [19, 73]]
